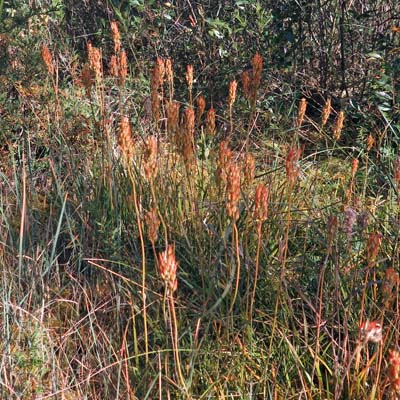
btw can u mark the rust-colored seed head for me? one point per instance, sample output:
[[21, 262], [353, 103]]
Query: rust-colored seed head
[[87, 78], [223, 162], [201, 106], [94, 56], [125, 139], [302, 112], [161, 70], [47, 59], [370, 142], [246, 84], [249, 169], [261, 203], [233, 191], [113, 67], [188, 138], [232, 93], [257, 63], [116, 36], [173, 116], [396, 175], [167, 268], [393, 371], [123, 67], [189, 76], [373, 244], [291, 165], [337, 132], [392, 281], [326, 112], [152, 224], [169, 72], [210, 122], [155, 100], [150, 163]]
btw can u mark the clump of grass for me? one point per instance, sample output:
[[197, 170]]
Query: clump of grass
[[287, 262]]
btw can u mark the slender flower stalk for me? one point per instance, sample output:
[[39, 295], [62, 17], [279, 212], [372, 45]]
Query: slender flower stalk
[[260, 214]]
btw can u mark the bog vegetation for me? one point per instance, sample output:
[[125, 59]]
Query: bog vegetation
[[199, 200]]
